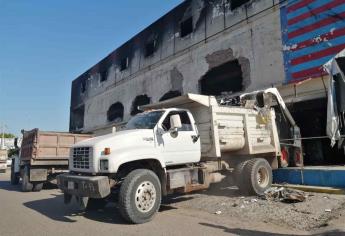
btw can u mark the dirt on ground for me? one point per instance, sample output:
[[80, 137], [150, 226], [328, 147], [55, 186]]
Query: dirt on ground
[[315, 212]]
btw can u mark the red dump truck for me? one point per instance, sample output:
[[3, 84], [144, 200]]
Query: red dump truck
[[43, 155]]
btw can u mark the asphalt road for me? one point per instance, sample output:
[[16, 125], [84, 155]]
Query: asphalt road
[[44, 213]]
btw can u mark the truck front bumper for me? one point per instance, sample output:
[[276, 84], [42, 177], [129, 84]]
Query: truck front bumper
[[84, 186]]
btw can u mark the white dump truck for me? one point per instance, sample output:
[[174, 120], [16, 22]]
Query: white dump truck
[[178, 145]]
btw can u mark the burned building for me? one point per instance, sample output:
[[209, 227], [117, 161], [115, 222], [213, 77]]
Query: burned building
[[216, 47]]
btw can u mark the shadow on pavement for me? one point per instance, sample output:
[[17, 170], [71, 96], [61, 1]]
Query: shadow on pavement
[[55, 209], [6, 185], [247, 232]]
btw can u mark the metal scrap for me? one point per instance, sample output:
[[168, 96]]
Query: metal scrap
[[283, 194]]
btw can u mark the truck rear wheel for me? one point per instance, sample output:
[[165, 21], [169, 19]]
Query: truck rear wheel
[[26, 185], [140, 196], [257, 176], [14, 176]]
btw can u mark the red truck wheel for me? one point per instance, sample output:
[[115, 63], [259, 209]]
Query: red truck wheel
[[14, 176], [37, 187], [26, 185]]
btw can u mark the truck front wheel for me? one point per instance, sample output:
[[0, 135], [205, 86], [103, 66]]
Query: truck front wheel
[[257, 176], [26, 185], [140, 196]]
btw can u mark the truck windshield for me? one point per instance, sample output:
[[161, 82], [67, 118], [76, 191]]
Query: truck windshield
[[146, 120]]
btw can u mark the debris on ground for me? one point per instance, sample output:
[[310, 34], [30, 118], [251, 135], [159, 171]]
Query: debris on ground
[[218, 212], [283, 194], [306, 215], [328, 210]]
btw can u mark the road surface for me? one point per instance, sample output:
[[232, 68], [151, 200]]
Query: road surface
[[43, 213]]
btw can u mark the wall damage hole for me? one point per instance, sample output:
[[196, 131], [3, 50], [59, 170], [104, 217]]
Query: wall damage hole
[[115, 112], [186, 27], [77, 118], [150, 48], [237, 3], [124, 64], [224, 78], [103, 75], [139, 101], [170, 94]]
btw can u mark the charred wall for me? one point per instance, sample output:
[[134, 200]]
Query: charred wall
[[180, 49]]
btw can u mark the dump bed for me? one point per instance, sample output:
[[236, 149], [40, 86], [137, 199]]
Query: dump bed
[[226, 129], [48, 148]]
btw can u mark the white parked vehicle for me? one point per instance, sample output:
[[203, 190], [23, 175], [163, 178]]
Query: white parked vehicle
[[9, 162], [3, 160], [178, 145]]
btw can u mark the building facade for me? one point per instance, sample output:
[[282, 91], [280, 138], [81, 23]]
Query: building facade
[[215, 47]]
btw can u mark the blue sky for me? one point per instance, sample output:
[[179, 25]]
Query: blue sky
[[44, 45]]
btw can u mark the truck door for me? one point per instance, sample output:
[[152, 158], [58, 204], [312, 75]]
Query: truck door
[[181, 147]]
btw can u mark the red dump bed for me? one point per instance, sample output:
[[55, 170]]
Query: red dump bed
[[48, 148]]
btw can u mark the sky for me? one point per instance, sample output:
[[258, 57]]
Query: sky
[[44, 45]]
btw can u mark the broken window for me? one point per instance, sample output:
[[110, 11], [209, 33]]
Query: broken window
[[226, 78], [124, 64], [170, 94], [139, 101], [186, 27], [83, 86], [103, 75], [77, 118], [237, 3], [115, 112], [150, 48]]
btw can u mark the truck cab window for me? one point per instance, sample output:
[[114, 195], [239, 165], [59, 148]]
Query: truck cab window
[[146, 120], [186, 124]]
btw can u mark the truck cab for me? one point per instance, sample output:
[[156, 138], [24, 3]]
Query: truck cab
[[147, 136]]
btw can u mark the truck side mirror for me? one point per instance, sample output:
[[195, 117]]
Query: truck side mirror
[[175, 122]]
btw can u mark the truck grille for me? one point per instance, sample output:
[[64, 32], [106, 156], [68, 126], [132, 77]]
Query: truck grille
[[81, 157]]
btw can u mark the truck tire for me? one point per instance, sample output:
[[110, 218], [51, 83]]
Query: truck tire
[[95, 204], [14, 176], [257, 176], [238, 176], [26, 185], [140, 196], [37, 187]]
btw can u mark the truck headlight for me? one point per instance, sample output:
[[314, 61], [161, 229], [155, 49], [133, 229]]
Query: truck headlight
[[104, 164]]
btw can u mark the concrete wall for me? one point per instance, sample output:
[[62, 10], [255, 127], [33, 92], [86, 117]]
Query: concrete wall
[[250, 33]]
